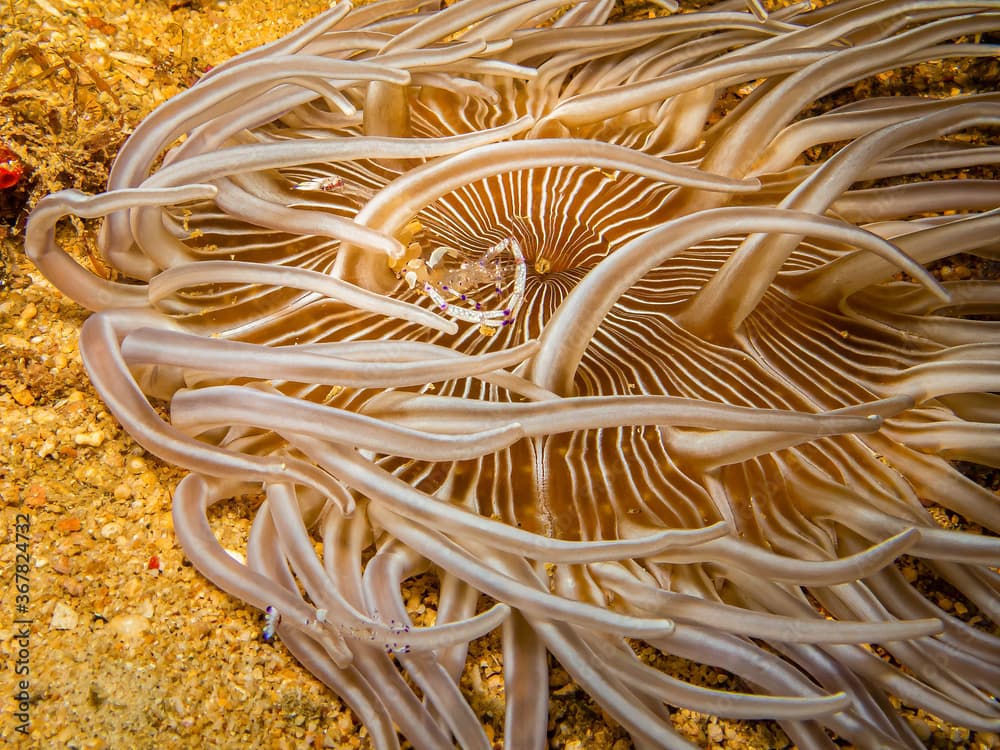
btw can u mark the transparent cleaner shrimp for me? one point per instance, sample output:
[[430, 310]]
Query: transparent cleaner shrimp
[[491, 268], [337, 185]]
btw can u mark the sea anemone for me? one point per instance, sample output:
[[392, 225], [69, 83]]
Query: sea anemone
[[556, 312]]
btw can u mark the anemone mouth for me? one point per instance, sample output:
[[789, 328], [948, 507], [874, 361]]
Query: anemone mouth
[[475, 292], [558, 241]]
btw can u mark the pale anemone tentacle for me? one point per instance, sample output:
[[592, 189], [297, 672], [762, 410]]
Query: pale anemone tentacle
[[167, 283], [264, 557], [849, 273], [144, 346], [848, 124], [451, 416], [411, 504], [393, 701], [815, 195], [688, 608], [208, 408], [112, 379], [436, 548], [197, 495], [163, 126], [395, 562], [390, 209], [92, 291], [583, 309], [474, 296], [628, 667]]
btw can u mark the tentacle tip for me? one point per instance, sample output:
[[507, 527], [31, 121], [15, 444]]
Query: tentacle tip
[[839, 701], [893, 405], [719, 528], [666, 627], [939, 291], [935, 626], [515, 429], [910, 536], [202, 191]]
